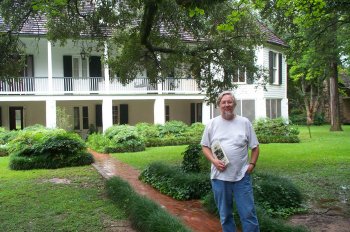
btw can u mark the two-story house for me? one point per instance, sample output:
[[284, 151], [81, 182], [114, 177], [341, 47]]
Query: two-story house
[[66, 77]]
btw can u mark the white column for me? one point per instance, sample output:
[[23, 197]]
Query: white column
[[159, 111], [51, 113], [106, 69], [284, 108], [260, 107], [107, 119], [49, 66], [206, 113]]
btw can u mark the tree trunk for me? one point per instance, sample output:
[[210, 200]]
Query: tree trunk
[[334, 98]]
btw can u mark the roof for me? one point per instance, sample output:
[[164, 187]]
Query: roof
[[37, 27]]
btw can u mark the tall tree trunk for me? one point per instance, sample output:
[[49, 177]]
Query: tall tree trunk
[[334, 98]]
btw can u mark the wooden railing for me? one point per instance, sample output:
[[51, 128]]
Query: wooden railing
[[96, 85]]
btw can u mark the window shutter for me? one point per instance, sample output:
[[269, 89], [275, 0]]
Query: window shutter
[[270, 67], [280, 68], [67, 66], [193, 113], [98, 115], [95, 66], [124, 114]]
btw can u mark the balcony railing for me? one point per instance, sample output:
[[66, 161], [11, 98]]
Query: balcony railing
[[94, 85]]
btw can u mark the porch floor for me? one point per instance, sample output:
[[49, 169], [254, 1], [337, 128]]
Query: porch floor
[[190, 212]]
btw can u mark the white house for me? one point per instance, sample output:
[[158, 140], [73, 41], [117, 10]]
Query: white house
[[65, 78]]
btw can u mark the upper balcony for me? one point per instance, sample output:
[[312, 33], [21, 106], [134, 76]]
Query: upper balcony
[[94, 85]]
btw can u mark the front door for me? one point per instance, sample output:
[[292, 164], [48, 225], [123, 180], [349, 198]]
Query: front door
[[16, 118]]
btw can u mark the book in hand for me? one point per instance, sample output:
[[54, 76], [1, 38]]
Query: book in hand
[[219, 152]]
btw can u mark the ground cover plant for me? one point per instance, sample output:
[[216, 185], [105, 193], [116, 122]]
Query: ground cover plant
[[144, 214], [65, 199]]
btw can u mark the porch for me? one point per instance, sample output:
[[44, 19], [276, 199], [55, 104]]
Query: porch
[[94, 85]]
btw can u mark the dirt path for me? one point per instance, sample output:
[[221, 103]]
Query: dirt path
[[329, 220]]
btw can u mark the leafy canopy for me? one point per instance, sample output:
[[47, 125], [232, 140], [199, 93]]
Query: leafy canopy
[[209, 40]]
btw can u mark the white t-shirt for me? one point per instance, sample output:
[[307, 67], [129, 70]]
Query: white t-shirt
[[235, 136]]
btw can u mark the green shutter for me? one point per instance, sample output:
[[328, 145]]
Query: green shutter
[[280, 68]]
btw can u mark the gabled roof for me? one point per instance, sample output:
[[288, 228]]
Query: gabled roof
[[37, 27]]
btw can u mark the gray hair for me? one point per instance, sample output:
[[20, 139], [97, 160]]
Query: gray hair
[[221, 95]]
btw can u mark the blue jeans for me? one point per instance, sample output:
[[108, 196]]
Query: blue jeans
[[242, 191]]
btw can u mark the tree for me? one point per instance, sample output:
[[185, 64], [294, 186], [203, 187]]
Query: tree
[[316, 25], [204, 39]]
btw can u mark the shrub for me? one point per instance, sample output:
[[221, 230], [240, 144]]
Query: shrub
[[147, 130], [275, 130], [98, 142], [38, 147], [172, 181], [124, 138], [191, 158], [144, 214], [276, 195], [174, 128]]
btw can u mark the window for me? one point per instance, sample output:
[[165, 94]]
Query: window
[[275, 68], [85, 117], [239, 76], [115, 115], [273, 108], [76, 118], [246, 108]]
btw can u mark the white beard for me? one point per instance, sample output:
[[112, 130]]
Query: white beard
[[228, 115]]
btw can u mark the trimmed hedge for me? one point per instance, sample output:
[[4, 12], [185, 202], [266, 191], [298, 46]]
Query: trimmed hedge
[[144, 214], [172, 181]]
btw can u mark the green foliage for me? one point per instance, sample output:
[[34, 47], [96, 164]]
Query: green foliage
[[275, 131], [38, 147], [63, 119], [5, 138], [172, 181], [278, 196], [147, 130], [122, 138], [98, 142], [144, 214], [191, 158], [172, 128]]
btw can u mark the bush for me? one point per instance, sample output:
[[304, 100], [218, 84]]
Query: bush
[[275, 130], [98, 142], [144, 214], [147, 130], [124, 138], [172, 128], [172, 181], [276, 195], [194, 159], [47, 148]]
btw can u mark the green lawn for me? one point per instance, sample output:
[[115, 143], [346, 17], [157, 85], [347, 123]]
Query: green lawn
[[319, 166], [30, 202]]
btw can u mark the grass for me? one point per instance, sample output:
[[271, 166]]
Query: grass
[[319, 166], [30, 202]]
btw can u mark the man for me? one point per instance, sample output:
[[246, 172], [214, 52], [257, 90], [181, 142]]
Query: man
[[236, 135]]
